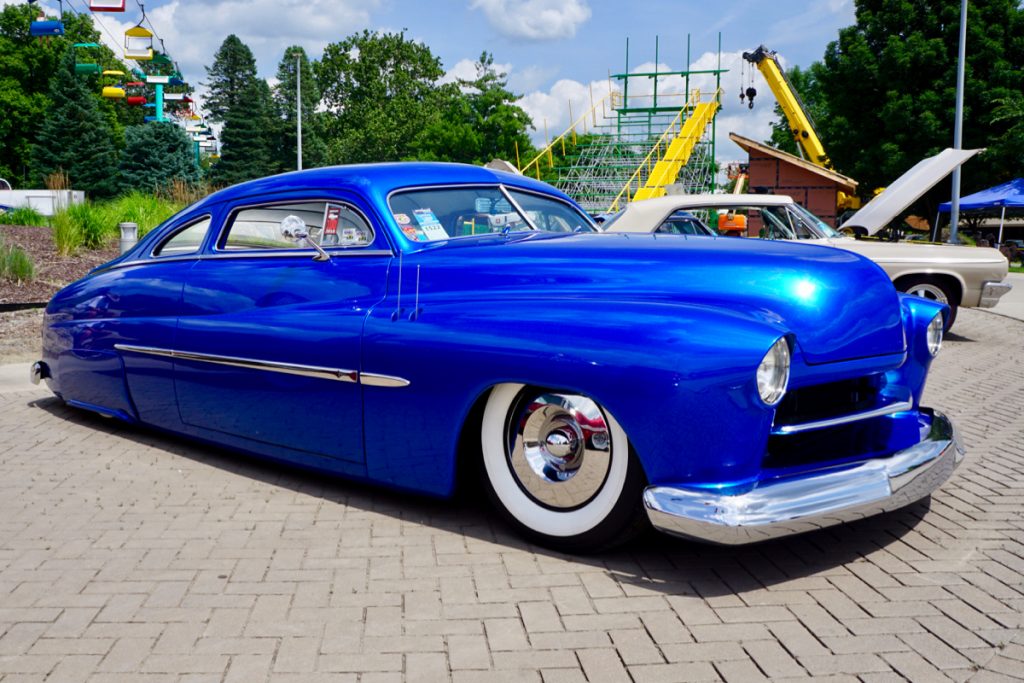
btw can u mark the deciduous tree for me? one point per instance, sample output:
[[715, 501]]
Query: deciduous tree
[[378, 89], [889, 85], [478, 120]]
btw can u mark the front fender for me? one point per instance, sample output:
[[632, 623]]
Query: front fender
[[679, 378]]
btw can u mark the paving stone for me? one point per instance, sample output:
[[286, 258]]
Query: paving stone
[[128, 556]]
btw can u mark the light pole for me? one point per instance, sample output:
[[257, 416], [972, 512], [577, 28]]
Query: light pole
[[954, 209], [298, 110]]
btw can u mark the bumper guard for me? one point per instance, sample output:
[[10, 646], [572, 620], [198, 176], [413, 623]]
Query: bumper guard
[[821, 499]]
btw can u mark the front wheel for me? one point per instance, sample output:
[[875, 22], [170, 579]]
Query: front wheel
[[935, 289], [559, 467]]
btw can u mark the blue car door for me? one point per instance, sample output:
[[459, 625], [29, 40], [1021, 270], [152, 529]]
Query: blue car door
[[268, 343]]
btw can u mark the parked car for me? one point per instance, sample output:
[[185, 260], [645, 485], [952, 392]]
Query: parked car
[[404, 323], [954, 275]]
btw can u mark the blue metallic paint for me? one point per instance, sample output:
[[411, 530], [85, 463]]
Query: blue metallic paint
[[664, 331]]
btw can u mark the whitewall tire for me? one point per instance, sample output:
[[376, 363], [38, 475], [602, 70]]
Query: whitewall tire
[[559, 467]]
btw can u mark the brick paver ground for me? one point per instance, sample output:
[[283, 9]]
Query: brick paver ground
[[130, 556]]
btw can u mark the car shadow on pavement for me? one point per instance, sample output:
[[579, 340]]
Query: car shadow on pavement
[[655, 562]]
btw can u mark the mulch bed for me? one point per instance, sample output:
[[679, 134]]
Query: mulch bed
[[52, 271]]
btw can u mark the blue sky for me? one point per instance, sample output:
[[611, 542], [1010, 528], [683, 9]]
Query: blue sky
[[553, 50]]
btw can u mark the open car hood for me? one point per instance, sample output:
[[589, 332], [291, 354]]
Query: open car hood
[[906, 189]]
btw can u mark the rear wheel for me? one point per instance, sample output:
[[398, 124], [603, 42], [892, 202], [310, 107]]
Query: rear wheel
[[559, 467], [934, 288]]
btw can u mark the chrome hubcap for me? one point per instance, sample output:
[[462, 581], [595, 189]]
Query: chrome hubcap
[[559, 448], [928, 291]]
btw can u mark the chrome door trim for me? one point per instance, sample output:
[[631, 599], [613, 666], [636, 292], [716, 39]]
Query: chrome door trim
[[338, 374], [898, 407], [372, 379]]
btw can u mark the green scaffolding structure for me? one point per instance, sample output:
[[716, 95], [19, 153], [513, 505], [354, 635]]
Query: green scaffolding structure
[[616, 149]]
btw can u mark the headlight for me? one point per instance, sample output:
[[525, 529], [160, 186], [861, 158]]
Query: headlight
[[935, 334], [773, 373]]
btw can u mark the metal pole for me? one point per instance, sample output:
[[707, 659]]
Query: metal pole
[[298, 111], [1002, 219], [954, 209]]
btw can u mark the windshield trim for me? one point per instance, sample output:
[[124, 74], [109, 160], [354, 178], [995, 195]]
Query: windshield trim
[[505, 190]]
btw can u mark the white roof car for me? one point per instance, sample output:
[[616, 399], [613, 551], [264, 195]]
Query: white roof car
[[955, 275]]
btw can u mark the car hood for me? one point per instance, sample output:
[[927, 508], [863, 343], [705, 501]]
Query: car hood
[[838, 305], [904, 252], [907, 189]]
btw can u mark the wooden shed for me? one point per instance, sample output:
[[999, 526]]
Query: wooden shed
[[813, 187]]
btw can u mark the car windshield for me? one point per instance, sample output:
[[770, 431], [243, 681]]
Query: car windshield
[[773, 221], [446, 213]]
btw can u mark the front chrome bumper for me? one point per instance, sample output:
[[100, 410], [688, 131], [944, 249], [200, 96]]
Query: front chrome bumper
[[991, 292], [822, 499]]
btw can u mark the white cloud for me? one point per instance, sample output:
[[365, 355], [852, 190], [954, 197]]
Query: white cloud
[[534, 19], [465, 69]]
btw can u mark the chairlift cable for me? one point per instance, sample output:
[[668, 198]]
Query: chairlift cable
[[109, 34]]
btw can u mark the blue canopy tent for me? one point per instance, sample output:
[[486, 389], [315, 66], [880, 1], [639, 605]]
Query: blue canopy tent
[[1006, 196]]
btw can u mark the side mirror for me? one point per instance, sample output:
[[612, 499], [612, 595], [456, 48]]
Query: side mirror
[[294, 228]]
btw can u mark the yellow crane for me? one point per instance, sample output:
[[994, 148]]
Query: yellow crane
[[811, 148]]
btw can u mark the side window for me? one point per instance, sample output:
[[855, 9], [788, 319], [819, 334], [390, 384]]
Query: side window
[[295, 225], [186, 241]]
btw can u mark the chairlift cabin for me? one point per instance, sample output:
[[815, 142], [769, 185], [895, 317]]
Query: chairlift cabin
[[138, 44], [46, 28], [106, 5], [112, 88], [87, 64], [136, 93]]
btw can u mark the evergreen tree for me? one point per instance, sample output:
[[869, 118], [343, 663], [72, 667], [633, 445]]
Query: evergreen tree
[[233, 70], [249, 128], [478, 121], [27, 65], [75, 137], [314, 151], [155, 154]]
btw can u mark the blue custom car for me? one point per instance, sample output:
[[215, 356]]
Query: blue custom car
[[402, 323]]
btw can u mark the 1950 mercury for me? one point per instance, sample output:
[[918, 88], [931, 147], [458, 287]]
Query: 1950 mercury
[[398, 322]]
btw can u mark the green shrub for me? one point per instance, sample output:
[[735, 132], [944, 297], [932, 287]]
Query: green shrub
[[145, 209], [23, 215], [15, 264], [93, 224], [67, 236]]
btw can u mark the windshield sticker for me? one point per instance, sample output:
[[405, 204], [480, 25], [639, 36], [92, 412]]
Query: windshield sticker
[[482, 204], [502, 206], [402, 218], [429, 225], [415, 234]]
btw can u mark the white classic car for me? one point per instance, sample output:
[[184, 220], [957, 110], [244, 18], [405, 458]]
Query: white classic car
[[955, 275]]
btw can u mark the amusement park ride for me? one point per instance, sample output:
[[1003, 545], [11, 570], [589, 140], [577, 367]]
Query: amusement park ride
[[156, 84]]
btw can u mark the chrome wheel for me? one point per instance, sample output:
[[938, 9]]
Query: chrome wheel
[[559, 467], [560, 450], [928, 290]]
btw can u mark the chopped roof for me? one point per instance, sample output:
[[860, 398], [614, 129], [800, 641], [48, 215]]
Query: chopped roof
[[380, 178]]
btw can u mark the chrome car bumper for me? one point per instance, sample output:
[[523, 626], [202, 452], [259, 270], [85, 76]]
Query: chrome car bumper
[[991, 293], [822, 499]]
